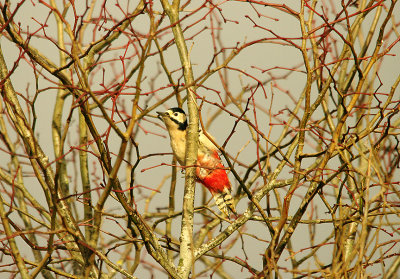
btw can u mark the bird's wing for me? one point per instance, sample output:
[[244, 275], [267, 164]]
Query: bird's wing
[[206, 143]]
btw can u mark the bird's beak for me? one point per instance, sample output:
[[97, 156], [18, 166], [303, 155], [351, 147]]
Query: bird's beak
[[160, 114]]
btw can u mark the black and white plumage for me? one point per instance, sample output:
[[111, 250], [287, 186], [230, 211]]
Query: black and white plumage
[[210, 171]]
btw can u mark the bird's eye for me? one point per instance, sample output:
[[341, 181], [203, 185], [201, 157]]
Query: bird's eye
[[176, 114]]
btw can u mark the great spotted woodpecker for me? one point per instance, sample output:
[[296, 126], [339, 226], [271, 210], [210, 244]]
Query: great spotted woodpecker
[[209, 171]]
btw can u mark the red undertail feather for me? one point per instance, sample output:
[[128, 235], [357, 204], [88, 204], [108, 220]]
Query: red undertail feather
[[213, 176]]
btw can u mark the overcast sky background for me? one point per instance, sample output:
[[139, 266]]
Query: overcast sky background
[[251, 60]]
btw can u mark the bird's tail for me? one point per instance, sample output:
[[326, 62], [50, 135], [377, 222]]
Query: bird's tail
[[224, 201]]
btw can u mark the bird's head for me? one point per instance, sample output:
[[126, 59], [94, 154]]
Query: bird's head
[[174, 119]]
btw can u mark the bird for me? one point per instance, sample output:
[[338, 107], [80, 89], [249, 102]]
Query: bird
[[210, 171]]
